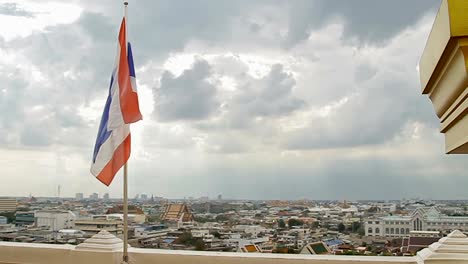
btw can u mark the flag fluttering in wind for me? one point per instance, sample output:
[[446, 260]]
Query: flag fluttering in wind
[[113, 142]]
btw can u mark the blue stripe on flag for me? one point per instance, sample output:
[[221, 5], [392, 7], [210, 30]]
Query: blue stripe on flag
[[130, 61], [103, 133]]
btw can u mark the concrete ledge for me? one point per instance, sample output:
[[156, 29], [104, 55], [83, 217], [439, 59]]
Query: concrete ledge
[[11, 252], [450, 249]]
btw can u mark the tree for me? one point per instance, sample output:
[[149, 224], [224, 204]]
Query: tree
[[361, 231], [355, 227], [341, 227], [295, 222], [11, 217], [200, 219], [186, 239], [216, 234], [316, 224], [153, 218], [221, 218], [281, 223], [200, 245]]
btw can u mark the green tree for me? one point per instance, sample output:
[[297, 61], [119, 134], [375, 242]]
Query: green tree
[[355, 227], [361, 231], [200, 219], [200, 245], [295, 222], [186, 239], [221, 218], [281, 223], [216, 234], [11, 217], [153, 218], [341, 227]]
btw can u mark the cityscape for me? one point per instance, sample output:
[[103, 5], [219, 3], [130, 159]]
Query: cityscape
[[374, 228]]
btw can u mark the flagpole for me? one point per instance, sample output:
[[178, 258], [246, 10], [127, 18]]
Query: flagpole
[[125, 215], [125, 183]]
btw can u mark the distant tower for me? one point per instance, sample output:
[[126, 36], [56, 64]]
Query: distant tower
[[58, 191]]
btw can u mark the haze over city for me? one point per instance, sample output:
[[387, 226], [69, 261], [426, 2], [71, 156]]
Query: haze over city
[[248, 99]]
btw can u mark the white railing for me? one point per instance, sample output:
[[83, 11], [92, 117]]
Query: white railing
[[105, 248]]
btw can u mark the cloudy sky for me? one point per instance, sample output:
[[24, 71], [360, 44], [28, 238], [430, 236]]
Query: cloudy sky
[[315, 99]]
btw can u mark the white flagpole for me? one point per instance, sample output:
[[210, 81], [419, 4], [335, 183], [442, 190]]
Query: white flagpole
[[125, 183]]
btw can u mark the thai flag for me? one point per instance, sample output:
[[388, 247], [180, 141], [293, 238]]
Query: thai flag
[[112, 148]]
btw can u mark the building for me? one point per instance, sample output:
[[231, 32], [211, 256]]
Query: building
[[418, 240], [8, 205], [94, 196], [79, 196], [24, 218], [132, 218], [151, 231], [316, 248], [178, 213], [3, 220], [132, 209], [96, 224], [106, 196], [144, 197], [55, 219], [387, 207], [422, 219]]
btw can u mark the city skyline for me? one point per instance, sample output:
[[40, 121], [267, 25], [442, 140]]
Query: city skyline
[[259, 100]]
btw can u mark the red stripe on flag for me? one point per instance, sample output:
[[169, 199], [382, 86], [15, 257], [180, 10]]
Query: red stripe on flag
[[120, 157], [128, 98]]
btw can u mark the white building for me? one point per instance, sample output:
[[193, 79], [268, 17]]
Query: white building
[[55, 220], [154, 231], [200, 233], [254, 230], [387, 207], [422, 219]]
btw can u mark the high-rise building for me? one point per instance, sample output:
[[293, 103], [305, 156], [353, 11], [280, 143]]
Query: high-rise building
[[79, 196], [94, 196], [106, 196], [7, 205], [144, 197], [220, 197]]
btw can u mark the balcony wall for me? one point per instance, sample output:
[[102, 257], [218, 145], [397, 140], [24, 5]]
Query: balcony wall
[[60, 254], [105, 248]]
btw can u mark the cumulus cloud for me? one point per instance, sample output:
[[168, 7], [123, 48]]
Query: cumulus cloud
[[383, 99], [189, 96], [368, 22], [13, 9]]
